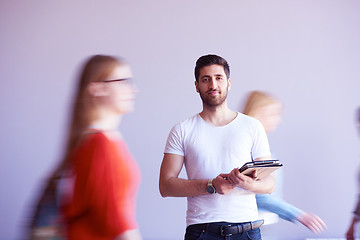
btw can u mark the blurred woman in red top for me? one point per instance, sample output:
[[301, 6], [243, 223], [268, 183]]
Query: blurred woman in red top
[[101, 203]]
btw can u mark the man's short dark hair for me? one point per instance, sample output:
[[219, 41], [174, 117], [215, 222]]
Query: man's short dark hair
[[208, 60]]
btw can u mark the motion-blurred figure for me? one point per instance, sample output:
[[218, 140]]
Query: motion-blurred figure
[[350, 234], [268, 110], [100, 203]]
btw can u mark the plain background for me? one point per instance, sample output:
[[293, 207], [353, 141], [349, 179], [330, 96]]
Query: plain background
[[304, 52]]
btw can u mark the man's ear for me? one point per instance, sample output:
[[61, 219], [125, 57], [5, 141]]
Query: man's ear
[[197, 86], [97, 89], [229, 84]]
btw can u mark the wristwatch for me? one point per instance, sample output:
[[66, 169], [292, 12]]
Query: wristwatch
[[210, 188]]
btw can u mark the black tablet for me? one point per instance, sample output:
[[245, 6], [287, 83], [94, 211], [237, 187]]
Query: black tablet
[[263, 167]]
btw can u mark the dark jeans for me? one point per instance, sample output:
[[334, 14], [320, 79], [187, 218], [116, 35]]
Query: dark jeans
[[195, 233]]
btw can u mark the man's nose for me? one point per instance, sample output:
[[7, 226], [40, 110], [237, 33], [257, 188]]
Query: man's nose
[[213, 84]]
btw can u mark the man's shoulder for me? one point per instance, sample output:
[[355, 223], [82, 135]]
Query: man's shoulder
[[189, 121], [247, 119], [186, 125]]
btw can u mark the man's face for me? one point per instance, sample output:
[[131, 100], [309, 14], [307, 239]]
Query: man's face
[[213, 85]]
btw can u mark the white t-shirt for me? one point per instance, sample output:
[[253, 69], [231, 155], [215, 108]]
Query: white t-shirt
[[211, 150]]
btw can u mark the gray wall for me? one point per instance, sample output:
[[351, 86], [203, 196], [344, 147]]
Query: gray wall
[[305, 52]]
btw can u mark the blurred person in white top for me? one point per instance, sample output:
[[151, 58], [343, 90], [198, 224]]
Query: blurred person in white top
[[268, 110]]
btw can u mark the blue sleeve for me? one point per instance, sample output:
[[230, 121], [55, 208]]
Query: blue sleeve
[[286, 211]]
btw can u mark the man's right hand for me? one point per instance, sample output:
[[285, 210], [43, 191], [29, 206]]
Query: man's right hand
[[221, 184]]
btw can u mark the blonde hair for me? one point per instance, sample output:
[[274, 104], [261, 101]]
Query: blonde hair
[[257, 100], [97, 68]]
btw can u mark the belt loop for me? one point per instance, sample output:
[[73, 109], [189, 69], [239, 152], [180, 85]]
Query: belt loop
[[240, 228], [251, 225]]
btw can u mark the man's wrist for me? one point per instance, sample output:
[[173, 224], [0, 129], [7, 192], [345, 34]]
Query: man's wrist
[[210, 187]]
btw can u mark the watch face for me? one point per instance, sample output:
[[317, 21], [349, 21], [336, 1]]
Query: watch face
[[210, 189]]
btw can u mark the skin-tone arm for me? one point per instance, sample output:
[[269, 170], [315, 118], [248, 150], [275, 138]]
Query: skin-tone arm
[[172, 186], [312, 222], [263, 186]]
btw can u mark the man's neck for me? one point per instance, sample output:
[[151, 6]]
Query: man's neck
[[218, 116]]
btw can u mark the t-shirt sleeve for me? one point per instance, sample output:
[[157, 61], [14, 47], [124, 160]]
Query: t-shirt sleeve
[[260, 146], [174, 143]]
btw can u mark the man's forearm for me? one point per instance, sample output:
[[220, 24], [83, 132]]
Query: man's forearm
[[179, 187], [264, 186]]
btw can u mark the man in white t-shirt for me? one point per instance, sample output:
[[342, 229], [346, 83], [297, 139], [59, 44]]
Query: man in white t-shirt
[[213, 145]]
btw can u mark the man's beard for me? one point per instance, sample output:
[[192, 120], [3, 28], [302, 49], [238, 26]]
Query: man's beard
[[210, 101]]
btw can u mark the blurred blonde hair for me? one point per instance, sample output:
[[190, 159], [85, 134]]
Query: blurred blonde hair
[[257, 100], [97, 68]]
